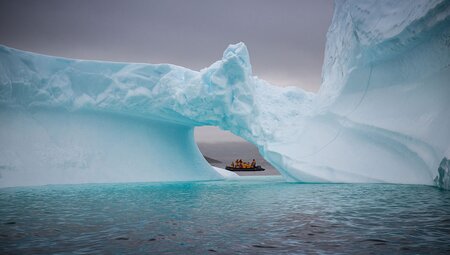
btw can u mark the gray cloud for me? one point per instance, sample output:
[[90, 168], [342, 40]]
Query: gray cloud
[[285, 38]]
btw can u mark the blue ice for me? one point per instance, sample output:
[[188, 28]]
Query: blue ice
[[381, 115]]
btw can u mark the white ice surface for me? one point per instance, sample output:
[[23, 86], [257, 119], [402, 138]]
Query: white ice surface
[[226, 174]]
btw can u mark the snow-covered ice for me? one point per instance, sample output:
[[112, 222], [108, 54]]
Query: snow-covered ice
[[381, 115]]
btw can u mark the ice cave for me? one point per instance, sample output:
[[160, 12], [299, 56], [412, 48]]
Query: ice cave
[[382, 114]]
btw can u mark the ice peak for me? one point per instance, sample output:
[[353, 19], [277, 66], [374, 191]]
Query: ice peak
[[239, 51]]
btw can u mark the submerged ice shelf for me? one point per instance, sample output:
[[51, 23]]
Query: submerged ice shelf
[[381, 115]]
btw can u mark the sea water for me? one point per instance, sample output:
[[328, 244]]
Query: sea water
[[258, 216]]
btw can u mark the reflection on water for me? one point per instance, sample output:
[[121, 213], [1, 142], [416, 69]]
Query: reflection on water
[[225, 218]]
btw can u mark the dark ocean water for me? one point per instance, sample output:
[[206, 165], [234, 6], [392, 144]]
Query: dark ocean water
[[251, 217]]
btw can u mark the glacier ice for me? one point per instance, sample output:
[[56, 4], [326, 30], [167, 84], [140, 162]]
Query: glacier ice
[[381, 114], [442, 180]]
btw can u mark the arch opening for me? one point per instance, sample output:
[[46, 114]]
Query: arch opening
[[221, 147]]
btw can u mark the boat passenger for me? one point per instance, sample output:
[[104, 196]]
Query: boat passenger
[[253, 163]]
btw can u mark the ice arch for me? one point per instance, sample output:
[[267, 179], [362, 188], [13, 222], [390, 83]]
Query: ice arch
[[382, 114]]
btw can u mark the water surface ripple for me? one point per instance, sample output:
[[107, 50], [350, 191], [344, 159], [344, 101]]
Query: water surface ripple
[[225, 218]]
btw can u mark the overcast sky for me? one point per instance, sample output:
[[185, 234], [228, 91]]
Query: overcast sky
[[285, 38]]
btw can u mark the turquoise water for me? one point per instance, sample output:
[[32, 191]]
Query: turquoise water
[[247, 217]]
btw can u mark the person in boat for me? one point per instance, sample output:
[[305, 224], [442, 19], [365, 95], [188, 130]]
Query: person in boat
[[232, 164], [253, 163]]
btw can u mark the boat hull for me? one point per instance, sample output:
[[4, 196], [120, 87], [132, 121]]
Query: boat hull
[[258, 168]]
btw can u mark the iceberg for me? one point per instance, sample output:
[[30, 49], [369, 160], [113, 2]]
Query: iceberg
[[381, 114], [443, 178]]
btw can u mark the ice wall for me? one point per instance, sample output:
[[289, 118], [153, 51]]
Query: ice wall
[[43, 146], [381, 115], [383, 110], [442, 180]]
